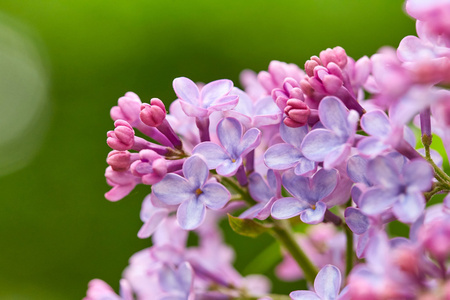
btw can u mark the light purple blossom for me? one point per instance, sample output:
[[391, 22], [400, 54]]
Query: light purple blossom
[[308, 195], [265, 193], [289, 155], [333, 143], [122, 183], [193, 192], [399, 189], [214, 96], [227, 157]]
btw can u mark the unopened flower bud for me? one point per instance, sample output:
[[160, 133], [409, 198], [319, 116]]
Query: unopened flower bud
[[119, 160], [122, 138], [336, 55], [153, 114], [297, 112]]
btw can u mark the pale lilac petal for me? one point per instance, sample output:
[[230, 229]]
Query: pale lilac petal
[[304, 295], [213, 154], [357, 221], [191, 214], [173, 189], [252, 211], [186, 90], [409, 207], [318, 143], [376, 123], [215, 90], [228, 167], [314, 216], [305, 167], [185, 275], [196, 171], [214, 195], [418, 175], [266, 112], [356, 169], [266, 210], [229, 132], [293, 136], [225, 103], [323, 183], [328, 282], [192, 110], [336, 156], [383, 171], [258, 188], [298, 186], [152, 217], [333, 115], [250, 140], [286, 208], [372, 146], [376, 200], [282, 156]]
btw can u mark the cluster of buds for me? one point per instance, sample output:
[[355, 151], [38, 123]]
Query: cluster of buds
[[330, 148]]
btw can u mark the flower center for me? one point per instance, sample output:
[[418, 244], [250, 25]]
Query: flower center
[[198, 192], [233, 160]]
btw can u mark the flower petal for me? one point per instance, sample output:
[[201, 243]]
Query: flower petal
[[409, 207], [215, 90], [250, 140], [314, 216], [213, 154], [228, 167], [258, 188], [372, 146], [214, 195], [318, 143], [383, 171], [304, 295], [186, 90], [229, 132], [323, 183], [173, 189], [333, 115], [196, 171], [376, 200], [305, 167], [418, 175], [356, 220], [376, 123], [282, 156], [356, 169], [293, 136], [298, 186], [328, 282], [286, 208], [191, 213]]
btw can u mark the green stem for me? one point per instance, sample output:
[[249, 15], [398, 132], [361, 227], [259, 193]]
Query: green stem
[[349, 255], [283, 233], [237, 188], [444, 178]]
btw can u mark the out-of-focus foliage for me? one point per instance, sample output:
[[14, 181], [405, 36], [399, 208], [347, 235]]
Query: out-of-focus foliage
[[57, 230]]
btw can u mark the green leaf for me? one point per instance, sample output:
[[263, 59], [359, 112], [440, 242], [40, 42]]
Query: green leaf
[[247, 227]]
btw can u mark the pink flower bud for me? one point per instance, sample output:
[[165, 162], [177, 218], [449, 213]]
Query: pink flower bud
[[122, 138], [128, 109], [151, 167], [311, 64], [336, 55], [297, 112], [153, 114], [119, 160]]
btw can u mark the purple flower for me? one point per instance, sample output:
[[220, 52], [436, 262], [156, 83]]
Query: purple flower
[[193, 192], [326, 285], [122, 183], [289, 155], [214, 96], [308, 194], [227, 157], [333, 143], [177, 284], [399, 189], [265, 193]]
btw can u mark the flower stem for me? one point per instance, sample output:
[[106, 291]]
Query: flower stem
[[349, 254], [283, 233]]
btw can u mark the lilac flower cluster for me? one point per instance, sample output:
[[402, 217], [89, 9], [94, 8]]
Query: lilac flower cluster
[[332, 147]]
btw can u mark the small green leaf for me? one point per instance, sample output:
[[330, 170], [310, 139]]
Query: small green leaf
[[247, 227]]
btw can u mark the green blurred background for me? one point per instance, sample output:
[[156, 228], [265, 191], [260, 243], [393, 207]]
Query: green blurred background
[[64, 64]]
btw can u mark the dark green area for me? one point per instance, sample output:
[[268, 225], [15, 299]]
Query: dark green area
[[57, 231]]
